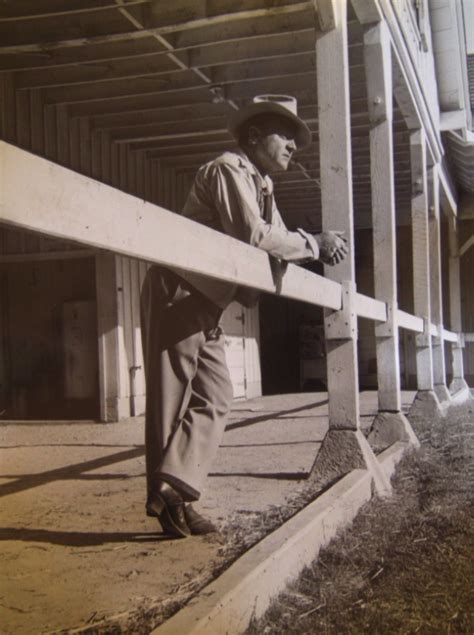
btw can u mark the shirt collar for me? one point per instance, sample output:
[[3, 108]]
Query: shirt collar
[[266, 181]]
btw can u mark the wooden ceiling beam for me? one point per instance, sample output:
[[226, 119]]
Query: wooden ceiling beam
[[193, 127], [178, 82], [179, 147], [155, 62], [231, 83], [186, 25], [159, 115], [26, 11], [205, 53]]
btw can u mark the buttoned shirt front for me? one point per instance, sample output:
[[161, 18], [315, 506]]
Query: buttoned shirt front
[[227, 196]]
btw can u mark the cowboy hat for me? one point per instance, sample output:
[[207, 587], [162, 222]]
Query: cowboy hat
[[282, 105]]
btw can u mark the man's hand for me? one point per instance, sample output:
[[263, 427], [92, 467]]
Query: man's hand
[[332, 247]]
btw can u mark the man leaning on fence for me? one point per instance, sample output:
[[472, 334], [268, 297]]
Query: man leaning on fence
[[188, 386]]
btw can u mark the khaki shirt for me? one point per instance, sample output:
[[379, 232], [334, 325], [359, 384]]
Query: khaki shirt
[[225, 196]]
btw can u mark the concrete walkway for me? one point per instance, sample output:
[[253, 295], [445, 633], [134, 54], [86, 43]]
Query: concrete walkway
[[78, 554]]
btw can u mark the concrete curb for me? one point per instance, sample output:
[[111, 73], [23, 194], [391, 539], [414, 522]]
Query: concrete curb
[[245, 590]]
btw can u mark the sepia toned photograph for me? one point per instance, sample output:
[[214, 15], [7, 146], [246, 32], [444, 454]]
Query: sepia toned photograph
[[236, 317]]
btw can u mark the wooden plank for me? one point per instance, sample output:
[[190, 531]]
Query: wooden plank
[[466, 246], [36, 256], [410, 322], [184, 25], [37, 125], [74, 145], [370, 308], [185, 82], [131, 227], [409, 89], [337, 214], [166, 130], [96, 158], [455, 306], [450, 336], [18, 14], [85, 157], [210, 47], [378, 68], [50, 132], [436, 290], [105, 154], [137, 372], [63, 139], [112, 406], [8, 108], [23, 119], [420, 255]]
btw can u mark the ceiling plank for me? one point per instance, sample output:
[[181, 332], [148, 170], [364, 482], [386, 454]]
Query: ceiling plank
[[216, 20], [11, 14], [155, 63]]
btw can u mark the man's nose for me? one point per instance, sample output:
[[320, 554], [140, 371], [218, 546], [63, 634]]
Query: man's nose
[[291, 145]]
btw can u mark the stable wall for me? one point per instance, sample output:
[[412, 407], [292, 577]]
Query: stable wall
[[73, 142]]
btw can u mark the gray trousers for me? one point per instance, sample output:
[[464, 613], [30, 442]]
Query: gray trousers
[[188, 387]]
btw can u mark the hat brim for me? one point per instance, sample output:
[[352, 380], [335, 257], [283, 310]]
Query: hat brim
[[238, 117]]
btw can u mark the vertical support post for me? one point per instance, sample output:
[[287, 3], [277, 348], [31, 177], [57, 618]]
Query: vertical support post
[[344, 447], [426, 402], [113, 405], [458, 382], [436, 293], [390, 425]]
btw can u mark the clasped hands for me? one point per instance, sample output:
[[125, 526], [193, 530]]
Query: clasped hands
[[332, 247]]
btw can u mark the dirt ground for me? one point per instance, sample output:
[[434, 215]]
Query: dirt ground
[[78, 554], [406, 565]]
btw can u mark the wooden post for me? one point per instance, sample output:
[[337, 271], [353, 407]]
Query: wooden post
[[458, 382], [436, 293], [344, 447], [390, 425], [113, 405], [426, 402]]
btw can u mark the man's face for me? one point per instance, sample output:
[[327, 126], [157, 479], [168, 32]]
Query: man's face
[[274, 145]]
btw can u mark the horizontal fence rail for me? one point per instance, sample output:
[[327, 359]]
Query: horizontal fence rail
[[371, 309], [410, 322], [62, 203], [449, 336]]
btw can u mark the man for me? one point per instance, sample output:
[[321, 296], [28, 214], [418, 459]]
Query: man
[[189, 390]]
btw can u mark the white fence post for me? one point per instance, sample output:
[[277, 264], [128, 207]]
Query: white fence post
[[344, 446], [436, 295], [390, 424], [458, 382], [426, 401]]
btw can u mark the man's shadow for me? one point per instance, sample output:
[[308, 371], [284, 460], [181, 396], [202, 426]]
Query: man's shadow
[[80, 539]]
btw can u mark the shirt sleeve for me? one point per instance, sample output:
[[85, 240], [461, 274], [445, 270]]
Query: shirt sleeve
[[235, 200]]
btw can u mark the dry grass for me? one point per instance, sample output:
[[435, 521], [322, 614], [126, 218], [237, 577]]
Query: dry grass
[[406, 565]]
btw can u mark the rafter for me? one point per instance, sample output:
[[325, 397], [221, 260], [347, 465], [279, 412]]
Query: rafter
[[155, 63], [186, 25], [68, 12]]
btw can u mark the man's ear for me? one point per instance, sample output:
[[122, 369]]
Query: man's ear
[[254, 135]]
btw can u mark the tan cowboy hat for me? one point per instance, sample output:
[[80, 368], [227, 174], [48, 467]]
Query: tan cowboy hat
[[282, 105]]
